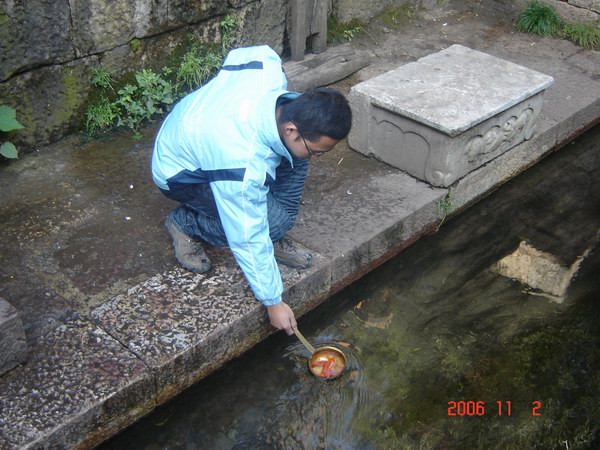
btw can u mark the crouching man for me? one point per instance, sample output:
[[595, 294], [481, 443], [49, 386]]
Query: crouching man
[[235, 154]]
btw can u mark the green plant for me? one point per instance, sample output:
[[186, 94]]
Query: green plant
[[196, 68], [351, 32], [585, 35], [338, 31], [149, 93], [393, 16], [100, 116], [228, 26], [102, 78], [445, 206], [200, 62], [8, 122], [539, 18], [142, 101], [542, 19], [135, 45]]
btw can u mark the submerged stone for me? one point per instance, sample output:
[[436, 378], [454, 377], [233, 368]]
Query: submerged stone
[[539, 270]]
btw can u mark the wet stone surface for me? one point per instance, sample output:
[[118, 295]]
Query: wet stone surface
[[86, 227], [70, 370], [373, 204], [176, 310], [172, 311]]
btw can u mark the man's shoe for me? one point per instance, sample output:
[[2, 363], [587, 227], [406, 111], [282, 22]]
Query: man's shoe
[[287, 253], [189, 252]]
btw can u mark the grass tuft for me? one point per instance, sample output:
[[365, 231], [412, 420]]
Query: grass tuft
[[585, 35], [541, 19]]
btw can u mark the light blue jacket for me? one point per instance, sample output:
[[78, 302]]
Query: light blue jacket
[[226, 134]]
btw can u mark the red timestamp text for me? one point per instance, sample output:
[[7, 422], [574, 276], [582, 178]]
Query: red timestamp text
[[471, 408]]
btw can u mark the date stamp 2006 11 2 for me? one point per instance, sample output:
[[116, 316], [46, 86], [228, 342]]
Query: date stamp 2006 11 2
[[468, 408]]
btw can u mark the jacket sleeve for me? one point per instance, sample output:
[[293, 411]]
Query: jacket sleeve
[[242, 208]]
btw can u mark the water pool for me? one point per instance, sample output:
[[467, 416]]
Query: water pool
[[444, 352]]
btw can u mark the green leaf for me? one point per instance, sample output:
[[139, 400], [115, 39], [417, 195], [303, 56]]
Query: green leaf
[[8, 119], [8, 150]]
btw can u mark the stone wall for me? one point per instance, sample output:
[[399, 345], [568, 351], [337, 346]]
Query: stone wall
[[48, 49], [592, 5]]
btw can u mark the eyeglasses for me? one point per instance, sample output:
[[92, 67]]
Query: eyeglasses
[[311, 152]]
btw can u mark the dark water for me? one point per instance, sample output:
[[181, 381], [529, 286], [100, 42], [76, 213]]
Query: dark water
[[444, 352]]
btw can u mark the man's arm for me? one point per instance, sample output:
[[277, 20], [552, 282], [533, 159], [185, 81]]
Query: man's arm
[[243, 211]]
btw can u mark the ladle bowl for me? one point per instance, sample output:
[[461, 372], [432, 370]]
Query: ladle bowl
[[327, 362]]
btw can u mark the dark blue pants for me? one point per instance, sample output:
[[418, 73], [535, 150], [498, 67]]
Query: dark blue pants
[[198, 216]]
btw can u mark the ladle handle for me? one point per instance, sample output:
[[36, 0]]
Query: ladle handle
[[309, 347]]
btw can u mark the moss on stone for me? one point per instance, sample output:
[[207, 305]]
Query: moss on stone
[[135, 45], [396, 16], [66, 108], [72, 88], [339, 31], [5, 28]]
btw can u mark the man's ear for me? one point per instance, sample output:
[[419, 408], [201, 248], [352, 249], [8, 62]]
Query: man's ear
[[289, 128]]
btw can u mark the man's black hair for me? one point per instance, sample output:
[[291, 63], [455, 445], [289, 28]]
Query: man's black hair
[[319, 112]]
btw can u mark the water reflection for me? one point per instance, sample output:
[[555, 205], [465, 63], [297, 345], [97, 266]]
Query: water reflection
[[434, 326]]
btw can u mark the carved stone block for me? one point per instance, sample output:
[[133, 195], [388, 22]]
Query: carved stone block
[[446, 114]]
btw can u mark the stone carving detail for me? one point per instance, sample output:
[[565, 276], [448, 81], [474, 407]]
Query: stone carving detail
[[399, 147], [500, 138], [439, 176]]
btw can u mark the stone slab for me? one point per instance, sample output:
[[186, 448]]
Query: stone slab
[[172, 321], [13, 346], [446, 114], [359, 212], [68, 392], [454, 89]]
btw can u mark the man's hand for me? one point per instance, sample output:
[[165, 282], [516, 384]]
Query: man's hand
[[282, 317]]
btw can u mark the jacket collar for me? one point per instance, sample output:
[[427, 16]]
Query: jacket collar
[[268, 131]]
